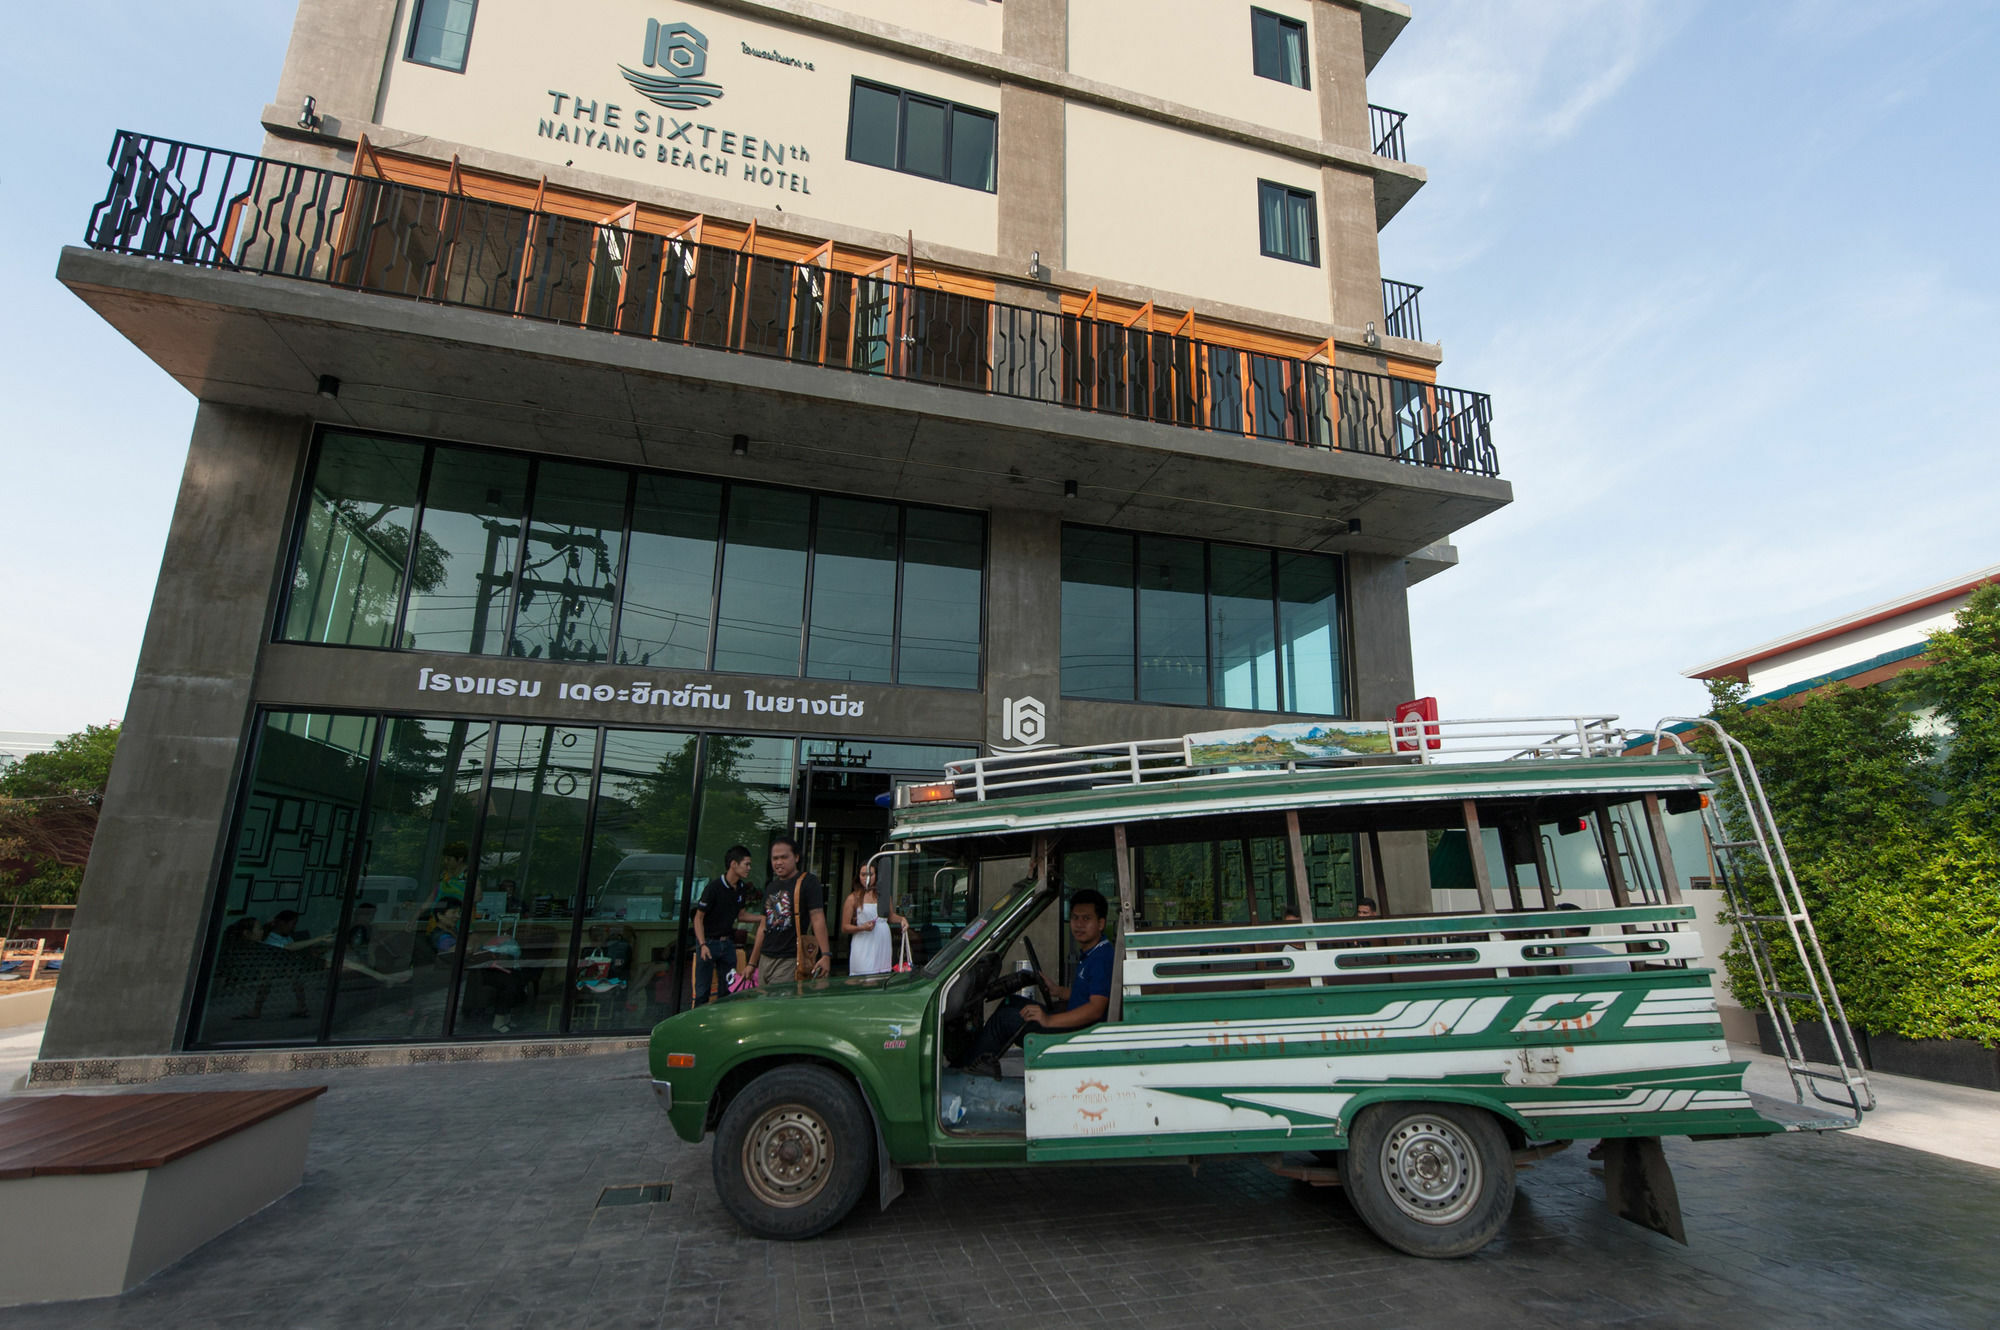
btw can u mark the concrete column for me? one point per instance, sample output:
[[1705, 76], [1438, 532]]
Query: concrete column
[[1038, 30], [1032, 137], [1031, 176], [1024, 617], [333, 58], [143, 908], [1380, 674], [1353, 258], [1340, 75]]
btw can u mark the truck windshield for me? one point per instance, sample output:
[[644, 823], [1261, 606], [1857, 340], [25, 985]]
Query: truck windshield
[[977, 929]]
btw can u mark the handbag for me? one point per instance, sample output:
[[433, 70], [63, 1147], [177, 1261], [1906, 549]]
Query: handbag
[[742, 981], [808, 949], [903, 963]]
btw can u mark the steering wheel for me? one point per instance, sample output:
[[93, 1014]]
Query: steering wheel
[[1041, 985]]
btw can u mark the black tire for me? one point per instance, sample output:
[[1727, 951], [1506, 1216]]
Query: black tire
[[794, 1152], [1432, 1180]]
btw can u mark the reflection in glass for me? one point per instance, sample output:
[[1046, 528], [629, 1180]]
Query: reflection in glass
[[1097, 631], [407, 920], [746, 799], [1173, 631], [569, 580], [522, 916], [637, 878], [871, 129], [763, 581], [349, 573], [1242, 628], [472, 520], [924, 124], [670, 574], [1309, 618], [280, 902], [972, 149], [853, 591], [944, 555]]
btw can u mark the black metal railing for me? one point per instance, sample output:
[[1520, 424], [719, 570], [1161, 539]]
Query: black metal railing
[[227, 210], [1401, 316], [1385, 127]]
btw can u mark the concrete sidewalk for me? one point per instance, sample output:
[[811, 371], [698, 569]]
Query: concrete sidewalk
[[1948, 1120]]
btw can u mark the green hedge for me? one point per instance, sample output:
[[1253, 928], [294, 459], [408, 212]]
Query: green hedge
[[1893, 835]]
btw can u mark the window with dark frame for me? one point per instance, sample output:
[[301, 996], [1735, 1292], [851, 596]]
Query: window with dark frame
[[1278, 48], [441, 34], [1287, 223], [545, 559], [1194, 623], [923, 136]]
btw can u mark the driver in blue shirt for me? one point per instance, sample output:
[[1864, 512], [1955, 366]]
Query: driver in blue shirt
[[1085, 1001]]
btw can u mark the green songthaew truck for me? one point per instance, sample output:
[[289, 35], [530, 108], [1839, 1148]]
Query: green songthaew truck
[[1404, 959]]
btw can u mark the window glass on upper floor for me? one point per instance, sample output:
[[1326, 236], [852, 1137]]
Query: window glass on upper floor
[[919, 135], [553, 560], [1278, 48], [1287, 223], [441, 33], [1187, 622]]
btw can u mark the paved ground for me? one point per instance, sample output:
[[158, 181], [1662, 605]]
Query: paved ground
[[1950, 1120], [466, 1196]]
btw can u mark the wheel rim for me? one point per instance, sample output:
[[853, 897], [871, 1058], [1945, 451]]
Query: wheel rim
[[788, 1155], [1432, 1172]]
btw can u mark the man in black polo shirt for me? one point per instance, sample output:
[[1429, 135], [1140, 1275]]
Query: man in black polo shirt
[[715, 922], [775, 952]]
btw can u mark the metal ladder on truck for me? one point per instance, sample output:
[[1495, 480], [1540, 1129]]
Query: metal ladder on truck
[[1754, 926]]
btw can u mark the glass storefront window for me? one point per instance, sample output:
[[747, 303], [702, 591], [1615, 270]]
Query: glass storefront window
[[569, 579], [280, 912], [638, 880], [670, 574], [1242, 628], [763, 581], [1098, 640], [944, 555], [520, 926], [348, 574], [1173, 630], [1216, 625], [433, 878], [896, 591], [406, 919], [1309, 620], [853, 620], [746, 799], [471, 533]]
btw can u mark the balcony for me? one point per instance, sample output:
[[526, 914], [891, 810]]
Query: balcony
[[226, 211], [1385, 130], [1401, 316]]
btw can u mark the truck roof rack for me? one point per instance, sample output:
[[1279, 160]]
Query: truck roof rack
[[1217, 754]]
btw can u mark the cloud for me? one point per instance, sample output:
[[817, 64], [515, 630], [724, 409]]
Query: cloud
[[1494, 78]]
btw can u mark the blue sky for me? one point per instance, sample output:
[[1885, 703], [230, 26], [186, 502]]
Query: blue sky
[[1728, 270]]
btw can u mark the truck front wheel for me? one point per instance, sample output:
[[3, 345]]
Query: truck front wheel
[[1429, 1179], [793, 1152]]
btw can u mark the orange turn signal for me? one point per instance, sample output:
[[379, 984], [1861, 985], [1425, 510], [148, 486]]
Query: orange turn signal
[[940, 792], [681, 1061]]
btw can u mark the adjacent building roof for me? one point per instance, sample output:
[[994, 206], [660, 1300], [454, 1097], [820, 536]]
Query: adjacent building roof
[[1878, 641]]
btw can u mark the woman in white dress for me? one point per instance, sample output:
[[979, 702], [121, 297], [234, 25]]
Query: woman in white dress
[[865, 917]]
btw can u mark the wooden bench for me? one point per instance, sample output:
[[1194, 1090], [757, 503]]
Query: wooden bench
[[101, 1191]]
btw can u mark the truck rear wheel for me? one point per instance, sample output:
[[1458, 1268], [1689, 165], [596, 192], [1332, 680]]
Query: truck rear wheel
[[1432, 1180], [793, 1152]]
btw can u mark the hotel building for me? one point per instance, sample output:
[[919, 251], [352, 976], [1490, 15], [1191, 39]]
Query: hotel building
[[630, 433]]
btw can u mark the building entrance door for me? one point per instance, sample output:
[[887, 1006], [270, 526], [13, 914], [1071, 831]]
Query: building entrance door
[[840, 819]]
